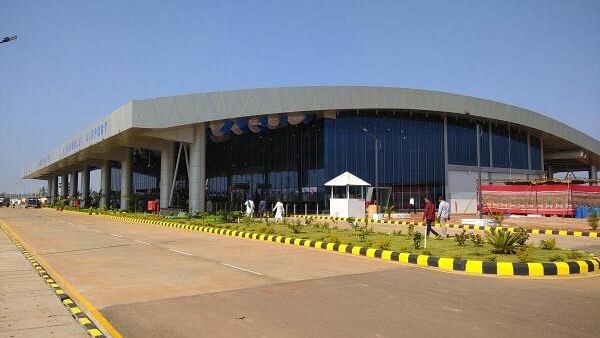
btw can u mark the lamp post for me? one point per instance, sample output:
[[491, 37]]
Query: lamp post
[[376, 166]]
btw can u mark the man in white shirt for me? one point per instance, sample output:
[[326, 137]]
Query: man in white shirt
[[411, 205], [444, 215]]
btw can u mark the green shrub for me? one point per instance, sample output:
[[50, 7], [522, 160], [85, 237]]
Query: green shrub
[[332, 238], [417, 237], [524, 253], [383, 242], [296, 226], [361, 231], [461, 238], [247, 221], [477, 240], [593, 219], [411, 230], [503, 242], [574, 254], [522, 236], [548, 244], [556, 258], [265, 229]]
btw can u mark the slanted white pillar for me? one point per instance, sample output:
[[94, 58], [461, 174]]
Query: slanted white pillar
[[73, 185], [167, 162], [126, 178], [85, 185], [64, 186], [197, 187], [104, 184]]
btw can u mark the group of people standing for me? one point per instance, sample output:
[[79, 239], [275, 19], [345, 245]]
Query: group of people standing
[[278, 209], [443, 214]]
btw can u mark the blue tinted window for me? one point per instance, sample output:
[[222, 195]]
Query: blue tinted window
[[536, 158], [462, 142], [510, 147], [485, 145], [410, 155]]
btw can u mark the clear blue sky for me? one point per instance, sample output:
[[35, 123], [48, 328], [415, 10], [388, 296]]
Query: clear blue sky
[[76, 61]]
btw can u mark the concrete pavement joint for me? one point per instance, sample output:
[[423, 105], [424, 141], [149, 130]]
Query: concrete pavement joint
[[89, 326], [490, 268]]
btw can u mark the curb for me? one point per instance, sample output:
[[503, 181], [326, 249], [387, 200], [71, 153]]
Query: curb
[[67, 301], [537, 269], [556, 232]]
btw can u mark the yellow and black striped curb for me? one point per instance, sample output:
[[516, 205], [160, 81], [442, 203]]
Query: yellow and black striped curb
[[537, 269], [88, 325], [556, 232]]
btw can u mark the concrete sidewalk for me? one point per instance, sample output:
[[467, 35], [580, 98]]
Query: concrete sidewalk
[[28, 307]]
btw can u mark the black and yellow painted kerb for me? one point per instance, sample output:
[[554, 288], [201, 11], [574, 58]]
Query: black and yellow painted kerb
[[535, 269], [89, 326], [555, 232]]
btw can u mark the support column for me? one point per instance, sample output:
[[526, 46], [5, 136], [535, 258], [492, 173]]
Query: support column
[[49, 190], [73, 185], [104, 184], [593, 172], [64, 192], [126, 178], [167, 161], [85, 186], [197, 188], [54, 188]]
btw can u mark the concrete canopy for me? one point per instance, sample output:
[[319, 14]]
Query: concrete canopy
[[146, 122]]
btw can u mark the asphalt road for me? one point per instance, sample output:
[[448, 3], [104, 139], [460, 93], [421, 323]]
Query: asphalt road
[[150, 281]]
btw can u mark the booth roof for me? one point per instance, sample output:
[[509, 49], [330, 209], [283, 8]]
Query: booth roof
[[345, 179]]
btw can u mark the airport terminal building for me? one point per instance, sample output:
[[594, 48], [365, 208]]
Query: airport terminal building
[[285, 143]]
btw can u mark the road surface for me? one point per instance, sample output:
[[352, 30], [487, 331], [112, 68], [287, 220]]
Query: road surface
[[150, 281]]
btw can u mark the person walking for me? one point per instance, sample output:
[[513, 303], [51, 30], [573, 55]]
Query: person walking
[[249, 207], [429, 217], [444, 215], [279, 211], [411, 205], [262, 208]]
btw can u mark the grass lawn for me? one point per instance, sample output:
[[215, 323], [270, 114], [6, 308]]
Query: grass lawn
[[322, 231]]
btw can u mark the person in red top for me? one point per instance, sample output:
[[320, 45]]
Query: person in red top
[[429, 216]]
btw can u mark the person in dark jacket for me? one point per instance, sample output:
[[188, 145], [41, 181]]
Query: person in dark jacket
[[429, 216]]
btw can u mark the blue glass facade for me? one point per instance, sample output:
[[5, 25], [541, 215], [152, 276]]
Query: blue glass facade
[[292, 163], [536, 155], [411, 152], [515, 141], [462, 142]]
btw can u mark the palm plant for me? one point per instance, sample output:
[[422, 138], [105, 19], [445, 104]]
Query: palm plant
[[503, 242]]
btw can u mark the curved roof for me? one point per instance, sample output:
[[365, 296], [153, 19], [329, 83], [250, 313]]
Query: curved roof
[[182, 110]]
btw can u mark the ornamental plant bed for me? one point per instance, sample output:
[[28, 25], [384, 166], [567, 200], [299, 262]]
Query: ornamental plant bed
[[476, 248]]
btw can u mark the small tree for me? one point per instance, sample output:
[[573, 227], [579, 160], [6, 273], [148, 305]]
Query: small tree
[[593, 219]]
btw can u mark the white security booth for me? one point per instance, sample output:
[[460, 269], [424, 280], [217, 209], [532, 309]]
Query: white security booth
[[348, 202]]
